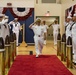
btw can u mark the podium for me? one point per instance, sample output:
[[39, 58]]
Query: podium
[[23, 44]]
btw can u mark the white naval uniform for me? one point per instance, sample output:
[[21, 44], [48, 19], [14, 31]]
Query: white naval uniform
[[16, 30], [68, 31], [74, 41], [45, 27], [2, 29], [38, 38], [6, 30], [55, 32]]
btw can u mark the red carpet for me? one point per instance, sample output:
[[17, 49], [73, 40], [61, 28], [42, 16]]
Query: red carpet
[[45, 65]]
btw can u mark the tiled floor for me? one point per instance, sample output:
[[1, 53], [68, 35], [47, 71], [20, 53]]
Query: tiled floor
[[49, 49]]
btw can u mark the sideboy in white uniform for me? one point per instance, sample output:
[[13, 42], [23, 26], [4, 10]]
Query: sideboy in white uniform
[[55, 31], [45, 27], [2, 27], [16, 28], [6, 29], [74, 37], [67, 26]]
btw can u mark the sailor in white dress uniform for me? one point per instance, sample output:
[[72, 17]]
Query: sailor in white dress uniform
[[74, 38], [67, 26], [16, 28], [39, 36], [55, 31], [45, 27]]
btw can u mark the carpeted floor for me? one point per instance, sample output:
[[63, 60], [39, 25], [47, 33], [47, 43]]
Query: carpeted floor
[[44, 65]]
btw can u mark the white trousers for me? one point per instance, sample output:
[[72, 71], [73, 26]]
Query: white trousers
[[55, 34], [74, 48], [45, 40], [39, 41], [17, 37]]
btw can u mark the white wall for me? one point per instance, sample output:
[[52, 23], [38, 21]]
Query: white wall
[[42, 8], [66, 4], [17, 3]]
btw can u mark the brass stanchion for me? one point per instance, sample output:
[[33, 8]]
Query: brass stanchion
[[69, 53], [15, 45], [7, 51], [2, 57], [12, 47], [63, 48], [23, 44], [59, 44]]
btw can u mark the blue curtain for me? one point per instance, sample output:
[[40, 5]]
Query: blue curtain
[[28, 32]]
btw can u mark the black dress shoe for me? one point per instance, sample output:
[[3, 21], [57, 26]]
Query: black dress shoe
[[74, 63], [72, 53]]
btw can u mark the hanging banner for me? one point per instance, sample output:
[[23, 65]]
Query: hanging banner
[[18, 12]]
